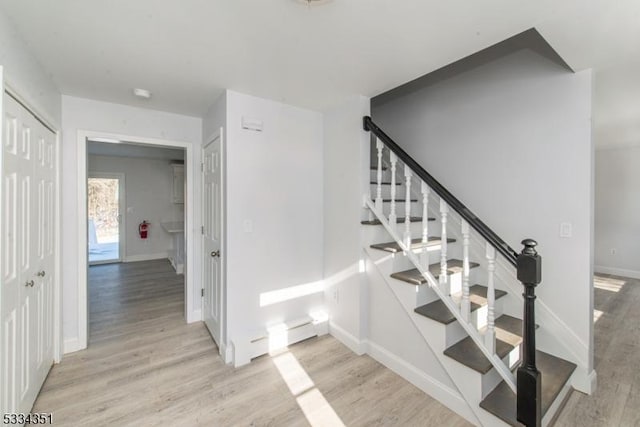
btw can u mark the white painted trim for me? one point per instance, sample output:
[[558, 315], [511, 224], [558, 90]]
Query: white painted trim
[[72, 345], [359, 347], [196, 315], [145, 257], [615, 271], [585, 382], [58, 343], [444, 394], [122, 206], [82, 136]]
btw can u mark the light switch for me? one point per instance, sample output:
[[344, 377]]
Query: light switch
[[248, 226], [566, 229]]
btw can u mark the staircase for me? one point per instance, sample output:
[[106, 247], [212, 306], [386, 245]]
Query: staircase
[[440, 261]]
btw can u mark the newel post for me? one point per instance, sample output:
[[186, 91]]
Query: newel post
[[529, 395]]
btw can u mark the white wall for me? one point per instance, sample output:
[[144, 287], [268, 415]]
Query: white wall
[[617, 212], [274, 181], [148, 196], [83, 114], [25, 74], [346, 160], [512, 140]]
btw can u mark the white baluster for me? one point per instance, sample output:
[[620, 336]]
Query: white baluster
[[379, 146], [393, 219], [490, 337], [465, 306], [424, 255], [444, 279], [407, 206]]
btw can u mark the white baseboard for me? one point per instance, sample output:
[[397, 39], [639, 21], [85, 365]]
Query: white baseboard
[[72, 345], [583, 381], [446, 395], [354, 344], [145, 257], [194, 316], [634, 274]]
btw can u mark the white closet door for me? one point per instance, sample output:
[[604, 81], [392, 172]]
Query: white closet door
[[28, 263]]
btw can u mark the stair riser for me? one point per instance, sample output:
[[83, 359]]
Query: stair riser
[[373, 234], [386, 191], [455, 332], [470, 383]]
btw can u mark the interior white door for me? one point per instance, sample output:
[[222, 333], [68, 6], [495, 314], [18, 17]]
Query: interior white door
[[212, 237], [28, 256]]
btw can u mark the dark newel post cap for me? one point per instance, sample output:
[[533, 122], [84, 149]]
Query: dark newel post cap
[[529, 264], [529, 247]]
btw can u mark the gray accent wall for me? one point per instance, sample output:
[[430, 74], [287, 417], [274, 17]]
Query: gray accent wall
[[511, 138]]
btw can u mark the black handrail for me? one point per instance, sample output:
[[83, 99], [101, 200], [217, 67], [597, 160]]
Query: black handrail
[[489, 235]]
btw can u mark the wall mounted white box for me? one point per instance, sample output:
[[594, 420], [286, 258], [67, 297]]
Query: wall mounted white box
[[252, 124]]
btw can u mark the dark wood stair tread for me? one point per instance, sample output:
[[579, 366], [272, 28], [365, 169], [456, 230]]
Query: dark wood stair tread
[[375, 168], [398, 200], [414, 277], [384, 183], [555, 371], [400, 220], [440, 313], [394, 247], [508, 336]]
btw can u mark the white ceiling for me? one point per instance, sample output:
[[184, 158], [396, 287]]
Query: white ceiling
[[186, 52]]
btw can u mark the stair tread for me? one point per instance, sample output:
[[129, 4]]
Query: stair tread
[[439, 312], [414, 277], [508, 336], [375, 168], [399, 220], [394, 247], [398, 200], [384, 183], [555, 371]]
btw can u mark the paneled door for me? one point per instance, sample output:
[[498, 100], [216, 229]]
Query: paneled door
[[27, 264], [212, 237]]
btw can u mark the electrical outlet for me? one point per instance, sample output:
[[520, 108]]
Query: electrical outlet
[[336, 295], [613, 251]]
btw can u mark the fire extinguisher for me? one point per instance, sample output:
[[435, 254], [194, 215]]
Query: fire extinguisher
[[143, 229]]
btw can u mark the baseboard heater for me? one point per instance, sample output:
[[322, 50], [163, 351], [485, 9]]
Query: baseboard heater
[[277, 337]]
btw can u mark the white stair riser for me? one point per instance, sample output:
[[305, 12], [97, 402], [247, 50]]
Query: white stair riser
[[386, 191], [455, 332], [373, 234]]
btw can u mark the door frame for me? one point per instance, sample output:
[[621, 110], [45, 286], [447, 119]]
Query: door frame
[[223, 348], [122, 203], [192, 313], [6, 86]]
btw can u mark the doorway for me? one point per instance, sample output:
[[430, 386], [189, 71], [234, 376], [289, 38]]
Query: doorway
[[105, 224], [192, 299]]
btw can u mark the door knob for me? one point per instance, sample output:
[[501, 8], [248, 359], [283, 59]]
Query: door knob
[[215, 254], [40, 273], [30, 283]]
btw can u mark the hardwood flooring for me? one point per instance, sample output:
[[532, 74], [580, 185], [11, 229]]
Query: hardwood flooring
[[616, 401], [146, 367]]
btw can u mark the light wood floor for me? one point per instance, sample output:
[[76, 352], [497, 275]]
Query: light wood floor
[[616, 401], [145, 366]]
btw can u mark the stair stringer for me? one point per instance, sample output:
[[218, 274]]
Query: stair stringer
[[467, 381]]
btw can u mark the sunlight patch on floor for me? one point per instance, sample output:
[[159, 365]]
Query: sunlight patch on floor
[[608, 284], [315, 407], [596, 315]]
